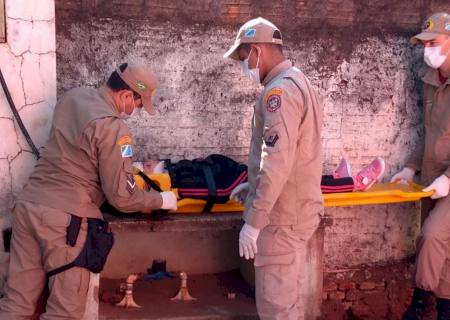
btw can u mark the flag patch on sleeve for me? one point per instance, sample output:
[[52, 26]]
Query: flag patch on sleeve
[[126, 150]]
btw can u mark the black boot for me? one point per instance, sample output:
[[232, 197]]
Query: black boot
[[418, 304], [443, 309]]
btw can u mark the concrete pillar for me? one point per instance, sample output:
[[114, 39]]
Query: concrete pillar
[[91, 312], [313, 281]]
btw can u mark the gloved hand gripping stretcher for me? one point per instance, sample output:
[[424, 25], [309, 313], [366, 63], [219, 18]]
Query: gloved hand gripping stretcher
[[209, 194]]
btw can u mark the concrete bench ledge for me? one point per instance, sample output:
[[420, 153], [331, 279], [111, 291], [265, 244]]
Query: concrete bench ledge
[[194, 243], [175, 222]]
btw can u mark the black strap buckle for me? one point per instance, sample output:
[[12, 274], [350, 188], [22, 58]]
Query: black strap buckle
[[212, 189]]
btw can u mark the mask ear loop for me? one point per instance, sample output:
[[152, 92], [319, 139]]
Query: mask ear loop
[[257, 61], [123, 105], [134, 105], [249, 54]]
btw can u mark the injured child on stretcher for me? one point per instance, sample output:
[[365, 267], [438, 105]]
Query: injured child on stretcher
[[223, 178]]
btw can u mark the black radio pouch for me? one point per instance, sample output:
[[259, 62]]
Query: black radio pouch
[[93, 255]]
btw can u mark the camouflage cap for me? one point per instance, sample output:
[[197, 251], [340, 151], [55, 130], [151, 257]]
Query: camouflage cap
[[257, 30], [436, 25], [142, 81]]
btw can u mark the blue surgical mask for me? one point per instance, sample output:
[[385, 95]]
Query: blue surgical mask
[[253, 74]]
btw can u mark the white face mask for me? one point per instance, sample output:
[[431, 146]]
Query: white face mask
[[124, 116], [434, 57], [253, 74]]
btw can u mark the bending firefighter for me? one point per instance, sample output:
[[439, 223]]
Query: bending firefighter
[[87, 158]]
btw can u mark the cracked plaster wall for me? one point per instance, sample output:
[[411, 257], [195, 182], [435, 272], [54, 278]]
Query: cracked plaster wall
[[28, 63], [356, 55]]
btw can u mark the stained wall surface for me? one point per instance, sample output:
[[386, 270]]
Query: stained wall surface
[[356, 53]]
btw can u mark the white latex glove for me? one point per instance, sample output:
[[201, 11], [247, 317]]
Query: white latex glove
[[247, 241], [405, 176], [139, 165], [239, 193], [159, 168], [169, 200], [441, 187]]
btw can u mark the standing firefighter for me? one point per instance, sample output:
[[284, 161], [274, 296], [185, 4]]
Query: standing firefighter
[[283, 201], [432, 159], [87, 158]]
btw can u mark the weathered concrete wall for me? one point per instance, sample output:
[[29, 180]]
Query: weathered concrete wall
[[356, 54], [370, 234], [28, 63]]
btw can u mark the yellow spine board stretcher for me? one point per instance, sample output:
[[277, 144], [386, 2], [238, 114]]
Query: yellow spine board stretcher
[[378, 194]]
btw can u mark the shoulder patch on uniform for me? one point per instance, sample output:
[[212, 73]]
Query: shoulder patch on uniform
[[126, 150], [273, 103], [273, 91], [273, 99], [124, 140]]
